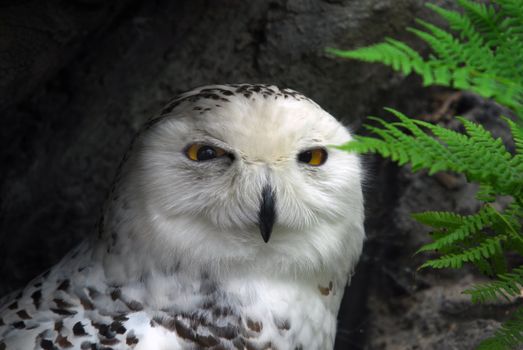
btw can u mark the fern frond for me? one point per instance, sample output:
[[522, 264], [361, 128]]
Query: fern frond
[[439, 219], [443, 44], [513, 215], [485, 19], [458, 22], [509, 336], [517, 136], [421, 150], [512, 11], [470, 51], [460, 227], [391, 52], [413, 60], [488, 248], [486, 193], [478, 154], [479, 58], [481, 52], [496, 155], [506, 286], [515, 211]]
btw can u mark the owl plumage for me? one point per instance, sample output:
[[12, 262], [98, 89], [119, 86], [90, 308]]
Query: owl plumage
[[232, 224]]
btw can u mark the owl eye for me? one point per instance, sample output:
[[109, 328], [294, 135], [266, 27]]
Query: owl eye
[[314, 157], [200, 152]]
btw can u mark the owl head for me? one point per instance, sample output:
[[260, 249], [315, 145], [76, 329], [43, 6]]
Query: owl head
[[242, 175]]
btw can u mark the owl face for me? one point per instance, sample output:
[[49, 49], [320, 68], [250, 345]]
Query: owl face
[[247, 170]]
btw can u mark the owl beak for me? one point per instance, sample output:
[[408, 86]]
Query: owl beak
[[267, 214]]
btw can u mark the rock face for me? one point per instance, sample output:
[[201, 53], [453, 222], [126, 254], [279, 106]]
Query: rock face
[[78, 80], [40, 37]]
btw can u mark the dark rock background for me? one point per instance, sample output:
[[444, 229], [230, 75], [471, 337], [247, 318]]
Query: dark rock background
[[78, 77]]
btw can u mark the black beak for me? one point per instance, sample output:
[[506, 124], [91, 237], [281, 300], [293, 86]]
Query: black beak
[[267, 214]]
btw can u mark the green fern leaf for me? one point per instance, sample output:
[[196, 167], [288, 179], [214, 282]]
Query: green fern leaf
[[425, 152], [484, 17], [439, 219], [486, 193], [477, 154], [495, 156], [509, 336], [385, 53], [485, 250], [479, 58], [506, 286], [512, 11], [517, 135], [481, 52], [458, 22], [459, 227]]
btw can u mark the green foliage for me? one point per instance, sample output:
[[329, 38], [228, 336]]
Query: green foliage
[[510, 335], [482, 52], [506, 286], [483, 56], [484, 237]]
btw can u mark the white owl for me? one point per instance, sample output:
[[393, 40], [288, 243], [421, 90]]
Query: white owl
[[232, 224]]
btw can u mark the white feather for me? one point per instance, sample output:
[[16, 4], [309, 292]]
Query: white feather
[[180, 235]]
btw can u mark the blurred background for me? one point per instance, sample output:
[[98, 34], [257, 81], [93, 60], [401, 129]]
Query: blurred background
[[78, 77]]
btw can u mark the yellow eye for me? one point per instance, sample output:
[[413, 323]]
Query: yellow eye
[[314, 157], [199, 152]]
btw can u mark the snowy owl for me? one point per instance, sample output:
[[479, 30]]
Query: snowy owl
[[233, 223]]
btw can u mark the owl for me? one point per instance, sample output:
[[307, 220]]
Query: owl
[[233, 223]]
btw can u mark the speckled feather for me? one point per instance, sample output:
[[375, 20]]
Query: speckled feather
[[196, 275]]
